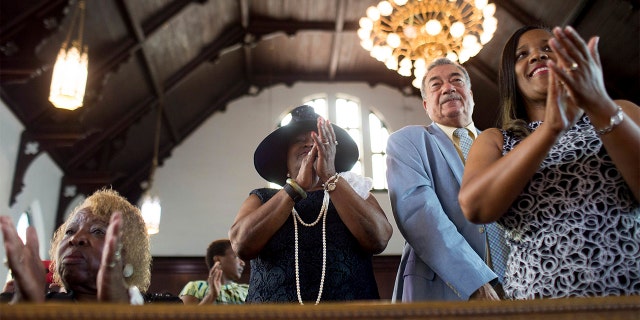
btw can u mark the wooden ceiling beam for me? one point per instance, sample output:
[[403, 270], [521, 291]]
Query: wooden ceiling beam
[[151, 73], [13, 25], [260, 26], [517, 12], [231, 36], [248, 40], [399, 82], [336, 42], [579, 13]]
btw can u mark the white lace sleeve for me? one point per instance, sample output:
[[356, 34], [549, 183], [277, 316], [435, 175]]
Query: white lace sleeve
[[362, 185]]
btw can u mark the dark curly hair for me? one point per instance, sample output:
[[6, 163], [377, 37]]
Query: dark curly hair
[[216, 248]]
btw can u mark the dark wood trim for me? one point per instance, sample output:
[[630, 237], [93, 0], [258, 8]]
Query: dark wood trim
[[610, 308], [170, 274]]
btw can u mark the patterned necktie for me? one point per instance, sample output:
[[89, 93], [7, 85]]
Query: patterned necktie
[[465, 141], [498, 249]]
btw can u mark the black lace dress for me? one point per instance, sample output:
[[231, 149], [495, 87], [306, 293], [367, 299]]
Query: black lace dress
[[575, 229], [349, 270]]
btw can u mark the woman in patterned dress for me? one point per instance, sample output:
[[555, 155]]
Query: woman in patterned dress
[[562, 175]]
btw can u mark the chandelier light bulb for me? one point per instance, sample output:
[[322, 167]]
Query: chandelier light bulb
[[364, 34], [406, 72], [457, 29], [365, 23], [373, 13], [410, 32], [417, 82], [419, 73], [400, 2], [367, 44], [392, 63], [485, 37], [393, 40], [489, 10], [480, 4], [385, 8], [490, 25], [385, 53], [468, 41], [433, 27], [420, 64], [452, 56], [405, 63]]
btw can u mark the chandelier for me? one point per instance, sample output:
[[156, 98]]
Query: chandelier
[[408, 34], [69, 77], [151, 212]]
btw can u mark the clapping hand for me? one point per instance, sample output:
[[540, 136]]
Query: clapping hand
[[110, 280], [320, 161], [562, 112], [579, 68], [215, 280], [24, 262]]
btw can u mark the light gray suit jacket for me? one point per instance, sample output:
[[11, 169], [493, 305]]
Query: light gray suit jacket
[[443, 258]]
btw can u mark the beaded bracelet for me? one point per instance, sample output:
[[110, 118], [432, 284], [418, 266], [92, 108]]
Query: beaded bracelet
[[615, 120]]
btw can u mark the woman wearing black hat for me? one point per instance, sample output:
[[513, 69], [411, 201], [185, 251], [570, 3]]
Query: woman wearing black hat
[[313, 239]]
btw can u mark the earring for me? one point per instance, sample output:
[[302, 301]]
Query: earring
[[127, 271]]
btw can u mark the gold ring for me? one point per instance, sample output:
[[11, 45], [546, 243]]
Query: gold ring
[[574, 66]]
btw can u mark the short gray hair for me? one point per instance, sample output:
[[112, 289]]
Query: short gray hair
[[442, 62]]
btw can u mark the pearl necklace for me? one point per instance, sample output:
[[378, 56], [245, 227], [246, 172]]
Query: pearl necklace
[[296, 218]]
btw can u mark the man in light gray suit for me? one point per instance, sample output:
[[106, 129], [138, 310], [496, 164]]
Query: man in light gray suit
[[444, 254]]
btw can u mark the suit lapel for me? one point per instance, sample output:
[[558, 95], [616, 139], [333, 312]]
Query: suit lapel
[[448, 151]]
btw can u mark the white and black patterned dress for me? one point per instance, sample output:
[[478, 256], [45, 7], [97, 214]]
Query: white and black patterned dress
[[575, 229]]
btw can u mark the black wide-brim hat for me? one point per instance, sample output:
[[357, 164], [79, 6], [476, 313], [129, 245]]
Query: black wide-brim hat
[[270, 158]]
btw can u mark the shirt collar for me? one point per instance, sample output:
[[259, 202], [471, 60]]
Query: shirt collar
[[449, 130]]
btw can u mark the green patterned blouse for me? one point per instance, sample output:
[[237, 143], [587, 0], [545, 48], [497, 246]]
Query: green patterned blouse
[[231, 293]]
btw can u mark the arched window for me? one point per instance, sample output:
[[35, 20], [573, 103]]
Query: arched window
[[364, 126], [23, 223]]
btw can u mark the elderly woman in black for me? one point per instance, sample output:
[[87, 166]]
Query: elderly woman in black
[[101, 253], [313, 239]]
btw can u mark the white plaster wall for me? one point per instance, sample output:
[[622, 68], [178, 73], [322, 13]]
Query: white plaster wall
[[41, 185], [210, 174]]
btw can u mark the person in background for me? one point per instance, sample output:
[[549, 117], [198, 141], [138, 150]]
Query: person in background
[[313, 239], [221, 287], [444, 254], [100, 253], [562, 174]]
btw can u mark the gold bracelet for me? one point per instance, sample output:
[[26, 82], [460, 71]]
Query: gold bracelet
[[330, 184], [297, 188], [295, 196], [615, 120]]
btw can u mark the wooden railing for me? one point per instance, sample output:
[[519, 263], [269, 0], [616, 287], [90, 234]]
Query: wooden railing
[[608, 308], [170, 274]]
